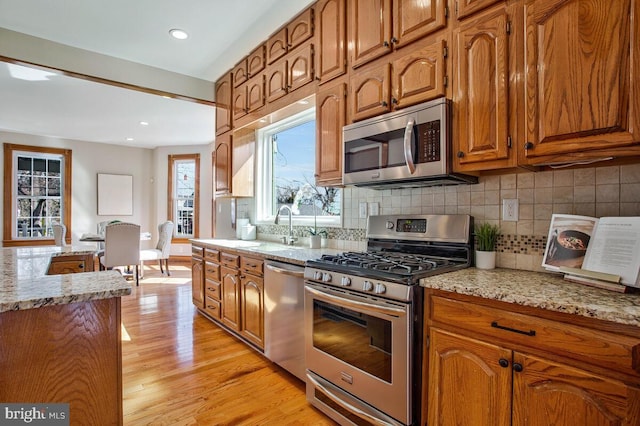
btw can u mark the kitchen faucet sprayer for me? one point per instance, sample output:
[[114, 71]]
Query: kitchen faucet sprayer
[[290, 239]]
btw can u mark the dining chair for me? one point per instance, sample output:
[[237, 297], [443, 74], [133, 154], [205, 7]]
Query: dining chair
[[163, 248], [59, 234], [121, 246]]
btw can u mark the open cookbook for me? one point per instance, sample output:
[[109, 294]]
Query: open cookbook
[[602, 252]]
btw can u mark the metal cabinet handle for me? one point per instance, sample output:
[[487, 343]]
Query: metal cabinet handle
[[528, 145], [495, 324], [385, 43], [504, 363], [517, 367], [383, 103]]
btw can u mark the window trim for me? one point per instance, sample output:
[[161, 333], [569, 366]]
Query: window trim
[[9, 149], [172, 158], [265, 173]]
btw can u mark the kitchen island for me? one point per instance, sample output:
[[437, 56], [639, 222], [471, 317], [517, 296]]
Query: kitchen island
[[60, 336], [518, 345]]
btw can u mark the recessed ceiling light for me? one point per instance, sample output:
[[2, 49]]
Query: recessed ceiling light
[[144, 123], [179, 34]]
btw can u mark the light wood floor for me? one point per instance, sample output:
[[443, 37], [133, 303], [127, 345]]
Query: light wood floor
[[181, 369]]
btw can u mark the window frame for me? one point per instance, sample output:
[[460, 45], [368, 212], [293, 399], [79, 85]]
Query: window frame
[[172, 159], [8, 212], [264, 173]]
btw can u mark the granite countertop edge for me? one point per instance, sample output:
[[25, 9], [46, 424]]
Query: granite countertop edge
[[540, 290]]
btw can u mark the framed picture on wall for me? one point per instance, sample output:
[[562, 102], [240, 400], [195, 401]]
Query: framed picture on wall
[[115, 195]]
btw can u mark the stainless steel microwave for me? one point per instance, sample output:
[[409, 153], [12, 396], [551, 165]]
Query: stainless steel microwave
[[410, 147]]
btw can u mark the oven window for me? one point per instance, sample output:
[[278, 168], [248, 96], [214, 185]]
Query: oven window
[[355, 338]]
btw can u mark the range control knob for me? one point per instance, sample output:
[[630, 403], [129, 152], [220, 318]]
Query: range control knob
[[326, 277], [380, 288], [345, 281], [317, 275], [367, 286], [389, 224]]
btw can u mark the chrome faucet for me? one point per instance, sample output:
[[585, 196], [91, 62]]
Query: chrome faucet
[[290, 239]]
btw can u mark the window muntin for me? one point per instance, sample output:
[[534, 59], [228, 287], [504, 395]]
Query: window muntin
[[184, 188], [286, 153]]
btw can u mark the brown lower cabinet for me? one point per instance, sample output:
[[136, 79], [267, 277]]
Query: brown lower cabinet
[[490, 364], [71, 263], [233, 292]]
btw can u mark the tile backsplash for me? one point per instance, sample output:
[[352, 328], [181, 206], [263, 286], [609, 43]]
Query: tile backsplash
[[594, 191]]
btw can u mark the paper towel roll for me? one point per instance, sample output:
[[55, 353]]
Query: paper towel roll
[[240, 223]]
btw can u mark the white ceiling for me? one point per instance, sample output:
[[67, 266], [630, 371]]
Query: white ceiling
[[221, 33]]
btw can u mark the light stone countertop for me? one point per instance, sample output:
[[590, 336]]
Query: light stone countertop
[[296, 254], [25, 284], [541, 290]]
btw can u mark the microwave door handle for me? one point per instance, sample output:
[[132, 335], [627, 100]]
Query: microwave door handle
[[408, 153]]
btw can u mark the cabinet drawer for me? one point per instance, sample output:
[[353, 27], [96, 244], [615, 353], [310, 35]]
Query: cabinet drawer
[[197, 251], [230, 260], [252, 265], [212, 307], [212, 289], [608, 350], [211, 254], [212, 271]]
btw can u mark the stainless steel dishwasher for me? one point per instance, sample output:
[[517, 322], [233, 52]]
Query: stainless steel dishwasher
[[284, 316]]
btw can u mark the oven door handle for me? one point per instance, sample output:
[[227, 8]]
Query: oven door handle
[[408, 153], [349, 303]]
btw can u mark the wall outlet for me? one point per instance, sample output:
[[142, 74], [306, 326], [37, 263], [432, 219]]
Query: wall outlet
[[510, 210], [374, 209], [363, 210]]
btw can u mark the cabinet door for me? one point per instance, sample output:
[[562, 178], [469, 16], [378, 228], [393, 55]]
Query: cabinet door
[[197, 282], [69, 265], [413, 20], [244, 146], [276, 80], [256, 61], [222, 165], [481, 94], [223, 104], [253, 309], [240, 102], [582, 87], [277, 46], [239, 73], [545, 393], [300, 67], [419, 76], [255, 93], [467, 383], [330, 118], [370, 92], [230, 297], [468, 7], [331, 60], [370, 34], [300, 29]]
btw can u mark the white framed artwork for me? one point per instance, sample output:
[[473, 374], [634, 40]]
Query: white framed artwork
[[115, 195]]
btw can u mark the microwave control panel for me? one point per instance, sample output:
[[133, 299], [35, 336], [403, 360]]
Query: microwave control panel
[[428, 142]]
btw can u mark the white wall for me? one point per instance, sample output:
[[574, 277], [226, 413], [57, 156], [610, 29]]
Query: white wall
[[149, 170]]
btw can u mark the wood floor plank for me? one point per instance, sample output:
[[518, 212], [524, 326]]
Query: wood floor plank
[[181, 369]]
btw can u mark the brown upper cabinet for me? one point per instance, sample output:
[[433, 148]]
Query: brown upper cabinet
[[222, 165], [330, 119], [331, 39], [466, 8], [296, 32], [482, 74], [256, 61], [582, 89], [415, 77], [249, 97], [289, 73], [223, 104], [377, 26], [239, 73]]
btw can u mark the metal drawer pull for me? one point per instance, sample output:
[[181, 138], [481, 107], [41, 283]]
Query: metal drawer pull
[[495, 324]]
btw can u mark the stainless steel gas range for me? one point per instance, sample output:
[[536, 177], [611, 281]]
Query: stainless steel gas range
[[363, 317]]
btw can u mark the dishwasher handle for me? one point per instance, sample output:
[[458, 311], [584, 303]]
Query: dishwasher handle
[[294, 271]]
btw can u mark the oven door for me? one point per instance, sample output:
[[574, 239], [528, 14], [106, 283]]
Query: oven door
[[361, 345]]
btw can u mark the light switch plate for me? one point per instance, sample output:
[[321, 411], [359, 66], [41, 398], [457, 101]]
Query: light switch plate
[[363, 210], [510, 210]]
